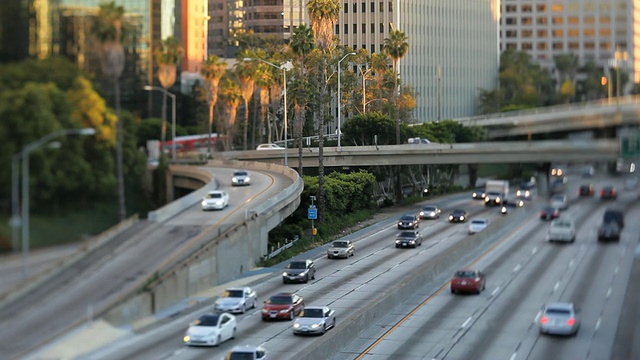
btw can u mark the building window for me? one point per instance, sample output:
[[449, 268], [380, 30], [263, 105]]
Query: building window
[[541, 8], [605, 32], [526, 46], [511, 21], [337, 29], [541, 46], [589, 20], [526, 33], [512, 46], [526, 21], [541, 20], [558, 33], [373, 7], [381, 7], [390, 6], [355, 28], [605, 20], [605, 45], [373, 28], [364, 28], [589, 45], [364, 7], [574, 20], [557, 46], [346, 29], [511, 8], [346, 9], [557, 7], [526, 8], [542, 33], [573, 32], [512, 33], [355, 8], [574, 45], [381, 28], [591, 32], [558, 20]]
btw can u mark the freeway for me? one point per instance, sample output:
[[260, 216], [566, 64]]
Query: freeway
[[524, 272], [104, 277]]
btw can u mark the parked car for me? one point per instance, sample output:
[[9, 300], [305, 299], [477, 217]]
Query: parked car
[[314, 320], [237, 300], [341, 249], [430, 212], [458, 215], [586, 190], [240, 178], [559, 318], [211, 330], [477, 225], [282, 306], [408, 239], [215, 200], [247, 352], [561, 229], [549, 213], [559, 201], [608, 192], [299, 271], [468, 280], [609, 231], [478, 194], [409, 222], [269, 147]]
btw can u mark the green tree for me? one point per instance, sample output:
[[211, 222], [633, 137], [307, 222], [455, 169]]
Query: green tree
[[592, 86], [361, 130], [230, 94], [212, 71], [168, 55], [323, 14], [567, 66], [109, 30], [246, 73], [568, 90], [397, 47]]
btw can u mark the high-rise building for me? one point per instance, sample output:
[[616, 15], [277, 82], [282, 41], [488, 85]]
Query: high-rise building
[[195, 19], [590, 29]]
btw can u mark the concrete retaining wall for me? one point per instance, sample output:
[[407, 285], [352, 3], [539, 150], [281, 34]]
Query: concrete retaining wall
[[348, 328]]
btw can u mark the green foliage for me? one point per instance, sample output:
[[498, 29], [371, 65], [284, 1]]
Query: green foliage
[[448, 131], [361, 129]]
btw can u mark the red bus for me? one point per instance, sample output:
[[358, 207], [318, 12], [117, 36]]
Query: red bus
[[190, 143]]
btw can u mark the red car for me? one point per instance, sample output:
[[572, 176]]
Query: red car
[[282, 306], [468, 280]]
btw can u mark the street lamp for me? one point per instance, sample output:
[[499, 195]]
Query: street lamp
[[284, 67], [173, 117], [339, 97], [16, 220], [619, 56]]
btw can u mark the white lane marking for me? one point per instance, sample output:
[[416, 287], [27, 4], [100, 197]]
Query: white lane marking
[[494, 292], [598, 323], [534, 251], [537, 317], [513, 356], [466, 322], [517, 268], [608, 292], [556, 286], [571, 263], [617, 269], [394, 266], [359, 287]]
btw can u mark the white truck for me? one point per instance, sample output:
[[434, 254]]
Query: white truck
[[496, 192]]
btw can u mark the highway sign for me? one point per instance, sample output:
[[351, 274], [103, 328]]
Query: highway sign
[[630, 146], [312, 213]]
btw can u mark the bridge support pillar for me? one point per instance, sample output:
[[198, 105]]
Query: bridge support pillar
[[461, 177]]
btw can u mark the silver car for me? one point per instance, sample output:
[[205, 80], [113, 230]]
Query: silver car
[[237, 300], [241, 178], [314, 320], [341, 249], [559, 319], [430, 212]]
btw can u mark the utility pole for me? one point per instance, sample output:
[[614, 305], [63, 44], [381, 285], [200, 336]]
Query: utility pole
[[439, 93]]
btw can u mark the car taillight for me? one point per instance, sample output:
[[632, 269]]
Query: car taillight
[[571, 321], [544, 320]]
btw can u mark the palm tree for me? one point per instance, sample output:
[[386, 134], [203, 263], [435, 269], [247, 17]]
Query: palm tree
[[264, 79], [167, 56], [323, 14], [380, 65], [396, 46], [246, 74], [212, 70], [108, 28], [301, 44], [231, 94]]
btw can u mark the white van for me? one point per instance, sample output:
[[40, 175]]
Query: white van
[[561, 229]]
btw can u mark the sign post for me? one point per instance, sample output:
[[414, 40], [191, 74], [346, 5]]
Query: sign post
[[312, 214]]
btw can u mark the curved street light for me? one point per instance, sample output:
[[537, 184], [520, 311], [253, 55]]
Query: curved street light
[[173, 117], [339, 98]]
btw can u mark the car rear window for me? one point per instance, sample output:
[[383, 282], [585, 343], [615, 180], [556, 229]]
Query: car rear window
[[561, 224], [240, 356], [280, 300], [564, 312], [465, 274], [478, 222]]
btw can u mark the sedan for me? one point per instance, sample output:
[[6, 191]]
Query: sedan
[[468, 280], [247, 352], [299, 271], [478, 225], [559, 201], [608, 192], [478, 194], [341, 249], [406, 239], [430, 212], [215, 200], [549, 213], [269, 147], [524, 193], [409, 222], [609, 230], [211, 330], [586, 190], [237, 300], [314, 320], [241, 178], [282, 306], [559, 319], [458, 215]]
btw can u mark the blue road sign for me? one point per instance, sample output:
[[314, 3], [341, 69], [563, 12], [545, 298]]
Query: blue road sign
[[312, 213]]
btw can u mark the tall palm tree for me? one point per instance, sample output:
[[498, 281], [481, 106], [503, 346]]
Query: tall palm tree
[[323, 14], [108, 28], [246, 74], [212, 71], [380, 65], [231, 94], [396, 46], [264, 79], [301, 45], [167, 55]]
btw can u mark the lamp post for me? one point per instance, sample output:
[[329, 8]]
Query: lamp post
[[339, 98], [284, 67], [24, 155], [619, 56], [173, 116]]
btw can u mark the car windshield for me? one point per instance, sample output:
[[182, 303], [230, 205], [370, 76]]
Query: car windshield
[[429, 208], [407, 218], [240, 173], [465, 274], [296, 265], [207, 320], [311, 313], [240, 356], [233, 293], [561, 312], [407, 234], [214, 196], [340, 244], [279, 300], [458, 212], [478, 222]]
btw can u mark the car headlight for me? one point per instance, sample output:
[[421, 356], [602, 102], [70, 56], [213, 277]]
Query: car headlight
[[410, 224], [421, 213], [247, 179], [450, 217], [518, 193], [486, 199], [264, 310], [285, 274], [432, 213], [203, 203], [412, 241], [399, 224], [296, 325], [461, 217], [284, 311], [315, 326], [234, 179]]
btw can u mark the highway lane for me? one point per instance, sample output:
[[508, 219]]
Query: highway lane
[[37, 318], [346, 285], [524, 272]]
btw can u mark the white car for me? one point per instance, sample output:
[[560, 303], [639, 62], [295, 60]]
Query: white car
[[237, 300], [314, 320], [561, 229], [269, 147], [240, 178], [247, 352], [478, 225], [211, 330], [215, 200], [559, 201]]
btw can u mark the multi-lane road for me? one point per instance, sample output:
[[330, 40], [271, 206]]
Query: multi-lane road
[[102, 278], [524, 272]]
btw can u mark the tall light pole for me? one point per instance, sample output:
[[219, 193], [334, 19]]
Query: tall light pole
[[24, 155], [284, 67], [340, 98], [619, 56], [173, 117]]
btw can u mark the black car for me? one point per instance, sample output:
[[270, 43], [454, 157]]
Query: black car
[[609, 231], [458, 215], [615, 215], [586, 190], [299, 271], [409, 222], [608, 192], [407, 239], [478, 194], [549, 213]]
